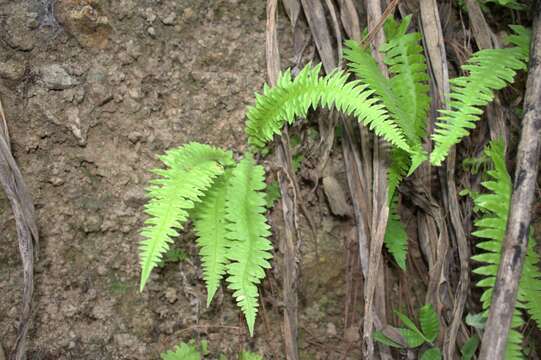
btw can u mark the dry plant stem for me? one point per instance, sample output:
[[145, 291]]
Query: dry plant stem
[[289, 245], [380, 210], [4, 126], [516, 237], [272, 53], [435, 48], [375, 30], [337, 31], [481, 31], [350, 19], [357, 188], [439, 292], [315, 15], [23, 211], [293, 10], [458, 235]]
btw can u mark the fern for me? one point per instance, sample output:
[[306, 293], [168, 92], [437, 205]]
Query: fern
[[210, 225], [228, 205], [430, 323], [398, 169], [491, 227], [246, 355], [396, 239], [292, 98], [405, 94], [521, 38], [247, 231], [405, 58], [489, 70], [183, 351], [190, 171]]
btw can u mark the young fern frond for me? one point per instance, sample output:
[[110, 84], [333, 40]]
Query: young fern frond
[[210, 226], [396, 238], [247, 231], [292, 98], [183, 351], [405, 94], [190, 171], [491, 227], [405, 58], [398, 169], [530, 283], [489, 70], [521, 38]]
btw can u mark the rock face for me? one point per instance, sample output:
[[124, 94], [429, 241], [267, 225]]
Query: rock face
[[85, 20], [55, 77]]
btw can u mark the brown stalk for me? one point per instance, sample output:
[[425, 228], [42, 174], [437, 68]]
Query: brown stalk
[[290, 240], [439, 292], [27, 232], [516, 237], [380, 210]]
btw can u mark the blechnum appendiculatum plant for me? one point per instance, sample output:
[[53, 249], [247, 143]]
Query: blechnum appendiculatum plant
[[227, 204], [493, 207], [226, 198]]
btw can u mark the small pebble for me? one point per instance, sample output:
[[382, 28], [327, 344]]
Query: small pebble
[[101, 270], [171, 294], [169, 19], [331, 330]]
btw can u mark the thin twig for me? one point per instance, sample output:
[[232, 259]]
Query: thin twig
[[389, 10]]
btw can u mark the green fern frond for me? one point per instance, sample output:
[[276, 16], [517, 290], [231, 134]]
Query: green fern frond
[[249, 248], [405, 58], [394, 28], [292, 98], [190, 171], [400, 162], [405, 94], [521, 37], [210, 225], [489, 70], [491, 227], [396, 238], [530, 283], [430, 323], [183, 351], [247, 355], [364, 66]]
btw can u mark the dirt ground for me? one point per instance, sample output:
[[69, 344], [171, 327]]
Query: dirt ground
[[91, 95]]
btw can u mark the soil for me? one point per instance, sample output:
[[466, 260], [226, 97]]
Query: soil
[[93, 90]]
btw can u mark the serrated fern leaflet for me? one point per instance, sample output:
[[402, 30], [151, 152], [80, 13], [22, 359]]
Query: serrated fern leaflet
[[210, 225], [405, 94], [249, 248], [396, 238], [430, 323], [489, 70], [491, 227], [190, 171], [292, 98]]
